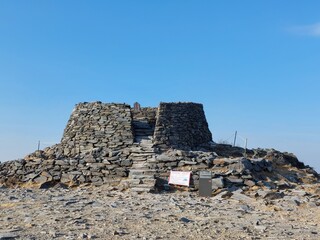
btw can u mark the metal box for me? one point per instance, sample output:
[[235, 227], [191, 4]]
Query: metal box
[[205, 184]]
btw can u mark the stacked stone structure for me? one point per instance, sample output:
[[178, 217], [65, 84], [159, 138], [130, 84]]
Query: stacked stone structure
[[106, 142], [94, 125], [181, 125], [115, 126], [137, 147]]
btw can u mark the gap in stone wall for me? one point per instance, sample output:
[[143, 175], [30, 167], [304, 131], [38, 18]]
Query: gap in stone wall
[[143, 123]]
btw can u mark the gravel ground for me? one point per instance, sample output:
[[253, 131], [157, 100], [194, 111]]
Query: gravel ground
[[105, 213]]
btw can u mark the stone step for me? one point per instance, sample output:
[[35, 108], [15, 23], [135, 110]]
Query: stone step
[[146, 147], [139, 159], [141, 154], [139, 165], [136, 148], [132, 182], [146, 139], [150, 153], [152, 160], [141, 177], [142, 149], [143, 130], [142, 142], [143, 186], [149, 181], [140, 182], [149, 150], [142, 171], [146, 157], [142, 127], [144, 135], [142, 124], [140, 121], [145, 143]]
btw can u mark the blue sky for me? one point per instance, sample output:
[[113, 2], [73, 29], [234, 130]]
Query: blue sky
[[253, 64]]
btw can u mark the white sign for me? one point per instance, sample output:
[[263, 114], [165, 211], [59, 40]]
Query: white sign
[[179, 178]]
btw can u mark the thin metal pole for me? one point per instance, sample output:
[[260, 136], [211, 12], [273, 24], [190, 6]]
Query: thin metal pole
[[38, 145], [245, 148], [235, 139]]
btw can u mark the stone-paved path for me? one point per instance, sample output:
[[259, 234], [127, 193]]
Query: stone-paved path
[[141, 177], [102, 213]]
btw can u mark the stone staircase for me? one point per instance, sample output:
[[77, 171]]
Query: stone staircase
[[141, 177]]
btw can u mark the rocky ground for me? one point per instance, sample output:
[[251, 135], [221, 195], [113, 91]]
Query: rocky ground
[[107, 213]]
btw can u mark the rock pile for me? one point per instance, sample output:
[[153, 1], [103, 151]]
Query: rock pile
[[113, 144], [257, 194]]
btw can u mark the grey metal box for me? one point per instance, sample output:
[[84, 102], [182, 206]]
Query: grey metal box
[[205, 184]]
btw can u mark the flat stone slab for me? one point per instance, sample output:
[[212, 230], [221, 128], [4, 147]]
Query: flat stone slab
[[8, 236]]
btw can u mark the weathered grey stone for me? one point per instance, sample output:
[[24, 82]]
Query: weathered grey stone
[[165, 158], [126, 163], [40, 179], [217, 183], [8, 236], [270, 195], [96, 179], [235, 180], [242, 165], [189, 162], [67, 178], [171, 164], [249, 183], [110, 140], [31, 176], [237, 195], [61, 162]]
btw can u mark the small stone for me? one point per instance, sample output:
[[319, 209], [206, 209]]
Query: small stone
[[217, 183], [8, 236], [270, 195], [52, 233], [249, 183], [119, 232], [47, 185], [235, 180], [185, 220], [261, 228]]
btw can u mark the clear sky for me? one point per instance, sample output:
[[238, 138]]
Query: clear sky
[[255, 65]]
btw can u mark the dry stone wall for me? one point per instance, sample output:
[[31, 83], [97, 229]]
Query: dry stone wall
[[106, 143], [94, 125], [98, 147], [181, 125]]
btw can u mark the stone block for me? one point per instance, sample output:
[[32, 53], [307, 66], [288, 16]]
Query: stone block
[[126, 163], [217, 183]]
